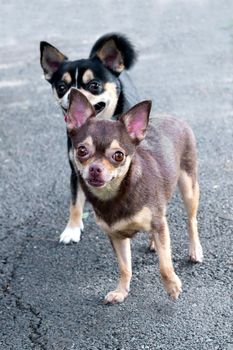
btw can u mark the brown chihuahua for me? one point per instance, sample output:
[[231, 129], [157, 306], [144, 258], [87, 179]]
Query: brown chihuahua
[[129, 180]]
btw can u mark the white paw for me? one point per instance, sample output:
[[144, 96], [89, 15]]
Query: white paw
[[196, 253], [116, 296], [70, 235]]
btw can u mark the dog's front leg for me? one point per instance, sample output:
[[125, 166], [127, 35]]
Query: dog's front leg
[[72, 232], [170, 280], [74, 227], [123, 253]]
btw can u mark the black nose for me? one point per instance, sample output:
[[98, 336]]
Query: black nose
[[95, 170]]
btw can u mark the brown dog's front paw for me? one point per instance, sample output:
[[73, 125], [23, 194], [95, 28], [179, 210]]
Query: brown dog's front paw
[[115, 296], [196, 253], [152, 246], [173, 286]]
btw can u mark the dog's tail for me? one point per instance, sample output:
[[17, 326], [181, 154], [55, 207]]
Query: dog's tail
[[119, 42]]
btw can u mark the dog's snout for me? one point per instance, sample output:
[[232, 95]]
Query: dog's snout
[[96, 175], [95, 170]]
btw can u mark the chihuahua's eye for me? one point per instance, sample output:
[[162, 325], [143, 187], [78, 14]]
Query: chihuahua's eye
[[62, 88], [94, 86], [82, 151], [118, 156]]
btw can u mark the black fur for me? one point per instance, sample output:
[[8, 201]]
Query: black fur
[[122, 43]]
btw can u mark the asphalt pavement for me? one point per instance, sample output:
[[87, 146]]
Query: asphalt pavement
[[50, 294]]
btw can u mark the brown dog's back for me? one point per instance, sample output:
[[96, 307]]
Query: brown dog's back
[[171, 142]]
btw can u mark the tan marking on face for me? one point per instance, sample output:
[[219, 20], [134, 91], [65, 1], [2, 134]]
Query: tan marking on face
[[88, 141], [108, 165], [67, 78], [141, 221], [115, 144], [87, 76], [114, 147]]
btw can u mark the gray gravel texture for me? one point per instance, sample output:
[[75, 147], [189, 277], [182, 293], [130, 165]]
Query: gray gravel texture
[[50, 294]]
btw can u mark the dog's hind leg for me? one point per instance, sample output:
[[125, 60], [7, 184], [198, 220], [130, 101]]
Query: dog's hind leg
[[189, 189], [74, 227]]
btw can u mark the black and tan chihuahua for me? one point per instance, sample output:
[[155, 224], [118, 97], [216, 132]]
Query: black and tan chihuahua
[[129, 180], [103, 79]]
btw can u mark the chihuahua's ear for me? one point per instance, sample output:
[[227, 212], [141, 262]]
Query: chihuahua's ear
[[80, 110], [136, 120], [115, 51], [50, 59]]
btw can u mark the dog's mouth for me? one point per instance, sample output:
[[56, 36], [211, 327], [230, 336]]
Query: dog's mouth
[[99, 107], [96, 182]]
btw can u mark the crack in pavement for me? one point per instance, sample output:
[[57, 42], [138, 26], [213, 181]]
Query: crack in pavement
[[35, 335]]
